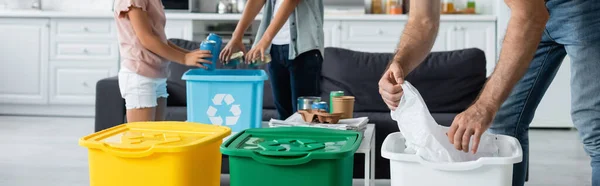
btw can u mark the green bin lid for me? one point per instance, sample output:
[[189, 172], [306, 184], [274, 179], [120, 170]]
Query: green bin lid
[[292, 145]]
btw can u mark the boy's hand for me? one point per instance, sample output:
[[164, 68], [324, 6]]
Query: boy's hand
[[232, 46], [258, 51], [197, 58]]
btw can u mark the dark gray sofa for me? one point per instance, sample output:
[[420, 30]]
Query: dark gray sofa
[[448, 81]]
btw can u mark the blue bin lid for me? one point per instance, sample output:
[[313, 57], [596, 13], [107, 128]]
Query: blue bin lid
[[225, 75]]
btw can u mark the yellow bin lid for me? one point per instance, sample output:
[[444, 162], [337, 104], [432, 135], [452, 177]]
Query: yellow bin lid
[[142, 139]]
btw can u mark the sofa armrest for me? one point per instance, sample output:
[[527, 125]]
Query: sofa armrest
[[110, 107]]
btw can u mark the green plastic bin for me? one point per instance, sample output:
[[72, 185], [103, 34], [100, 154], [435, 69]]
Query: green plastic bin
[[291, 156]]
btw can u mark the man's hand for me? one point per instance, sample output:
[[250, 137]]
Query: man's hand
[[232, 46], [197, 58], [472, 122], [389, 85], [258, 51]]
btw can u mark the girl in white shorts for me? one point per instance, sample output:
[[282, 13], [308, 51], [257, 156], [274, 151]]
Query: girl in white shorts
[[145, 53]]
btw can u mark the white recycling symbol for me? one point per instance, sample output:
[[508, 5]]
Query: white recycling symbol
[[234, 109]]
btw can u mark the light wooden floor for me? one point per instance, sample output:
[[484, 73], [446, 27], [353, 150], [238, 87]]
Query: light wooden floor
[[37, 151]]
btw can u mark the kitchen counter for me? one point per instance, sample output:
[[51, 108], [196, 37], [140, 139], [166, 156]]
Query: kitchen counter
[[228, 17]]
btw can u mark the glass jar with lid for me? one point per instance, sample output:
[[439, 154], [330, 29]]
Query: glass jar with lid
[[394, 7], [448, 7], [470, 7]]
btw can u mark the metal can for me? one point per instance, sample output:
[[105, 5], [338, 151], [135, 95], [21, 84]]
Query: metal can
[[321, 106], [217, 39], [305, 103], [217, 50], [259, 62], [210, 46], [235, 59], [333, 94]]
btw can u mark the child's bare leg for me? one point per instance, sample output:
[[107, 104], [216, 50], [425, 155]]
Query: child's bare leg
[[161, 109], [141, 114]]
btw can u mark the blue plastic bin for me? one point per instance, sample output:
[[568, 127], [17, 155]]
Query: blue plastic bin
[[231, 98]]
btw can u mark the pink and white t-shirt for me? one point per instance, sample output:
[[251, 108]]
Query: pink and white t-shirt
[[133, 55]]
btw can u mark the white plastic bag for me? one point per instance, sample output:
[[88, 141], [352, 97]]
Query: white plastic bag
[[426, 138]]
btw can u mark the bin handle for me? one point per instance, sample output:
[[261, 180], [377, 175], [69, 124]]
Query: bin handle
[[263, 157], [126, 154]]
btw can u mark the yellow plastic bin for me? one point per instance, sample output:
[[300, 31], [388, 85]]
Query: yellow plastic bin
[[156, 154]]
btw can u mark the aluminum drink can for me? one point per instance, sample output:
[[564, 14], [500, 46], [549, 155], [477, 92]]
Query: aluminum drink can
[[333, 94], [321, 106], [210, 46]]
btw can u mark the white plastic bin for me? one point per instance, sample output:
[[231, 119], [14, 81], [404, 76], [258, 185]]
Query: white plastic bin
[[409, 169]]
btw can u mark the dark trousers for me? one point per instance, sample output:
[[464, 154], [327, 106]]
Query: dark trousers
[[295, 78]]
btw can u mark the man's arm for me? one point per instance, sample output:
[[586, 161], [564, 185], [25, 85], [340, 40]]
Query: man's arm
[[281, 16], [250, 11], [419, 34], [525, 29], [416, 42]]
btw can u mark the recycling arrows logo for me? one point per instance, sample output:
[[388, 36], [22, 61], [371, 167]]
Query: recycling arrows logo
[[234, 109]]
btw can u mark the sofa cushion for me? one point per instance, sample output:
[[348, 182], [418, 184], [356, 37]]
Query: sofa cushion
[[448, 81]]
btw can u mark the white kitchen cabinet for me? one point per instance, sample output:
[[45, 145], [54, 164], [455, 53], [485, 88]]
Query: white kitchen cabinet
[[83, 40], [24, 58], [77, 50], [82, 52], [480, 35], [180, 29], [74, 83], [52, 65], [444, 38], [371, 36], [383, 36], [372, 31], [332, 30], [91, 29]]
